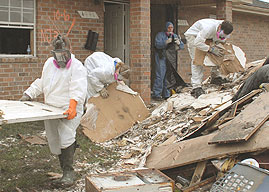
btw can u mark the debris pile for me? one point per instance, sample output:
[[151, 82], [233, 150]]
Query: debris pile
[[184, 133]]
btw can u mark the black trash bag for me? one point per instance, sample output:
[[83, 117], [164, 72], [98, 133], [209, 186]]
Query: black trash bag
[[253, 82], [174, 80]]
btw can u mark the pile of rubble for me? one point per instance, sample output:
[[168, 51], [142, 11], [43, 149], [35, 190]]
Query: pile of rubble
[[181, 131]]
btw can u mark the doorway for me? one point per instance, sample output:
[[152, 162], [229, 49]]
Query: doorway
[[159, 15]]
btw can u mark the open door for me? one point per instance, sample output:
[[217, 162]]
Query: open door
[[117, 31]]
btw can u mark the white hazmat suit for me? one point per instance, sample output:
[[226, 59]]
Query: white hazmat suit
[[59, 85], [196, 36], [101, 68]]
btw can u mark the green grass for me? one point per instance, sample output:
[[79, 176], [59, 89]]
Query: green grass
[[25, 166]]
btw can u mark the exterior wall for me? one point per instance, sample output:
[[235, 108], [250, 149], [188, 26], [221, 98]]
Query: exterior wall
[[16, 74], [224, 9], [251, 35], [140, 47]]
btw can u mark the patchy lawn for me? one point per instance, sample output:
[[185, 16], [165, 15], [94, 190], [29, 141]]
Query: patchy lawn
[[24, 166]]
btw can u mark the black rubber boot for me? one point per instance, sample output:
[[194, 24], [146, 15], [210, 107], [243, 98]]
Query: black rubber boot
[[66, 161], [196, 92]]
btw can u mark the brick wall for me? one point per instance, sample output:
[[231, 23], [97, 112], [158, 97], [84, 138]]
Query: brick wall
[[224, 10], [16, 74], [140, 47], [251, 35]]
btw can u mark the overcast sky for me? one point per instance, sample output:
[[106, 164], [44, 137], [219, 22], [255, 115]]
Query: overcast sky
[[267, 1]]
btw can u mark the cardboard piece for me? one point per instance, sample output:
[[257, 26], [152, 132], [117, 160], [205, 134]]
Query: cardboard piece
[[25, 111], [229, 63], [197, 149], [112, 117], [244, 125]]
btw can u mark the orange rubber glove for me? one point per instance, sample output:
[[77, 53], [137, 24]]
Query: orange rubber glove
[[71, 111]]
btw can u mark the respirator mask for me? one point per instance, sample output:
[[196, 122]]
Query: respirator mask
[[221, 35], [62, 56]]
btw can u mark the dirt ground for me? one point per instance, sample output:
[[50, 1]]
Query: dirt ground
[[24, 167]]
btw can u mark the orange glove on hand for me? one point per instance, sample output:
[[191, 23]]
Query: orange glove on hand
[[71, 111]]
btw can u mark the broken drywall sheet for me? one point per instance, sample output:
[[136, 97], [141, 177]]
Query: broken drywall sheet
[[212, 99], [125, 88], [109, 118], [25, 111], [184, 100], [233, 61]]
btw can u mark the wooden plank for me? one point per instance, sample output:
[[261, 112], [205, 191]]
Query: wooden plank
[[197, 149], [112, 117], [200, 184], [198, 173], [244, 125], [25, 111]]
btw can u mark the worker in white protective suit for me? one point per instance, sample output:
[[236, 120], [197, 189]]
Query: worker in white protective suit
[[64, 84], [196, 35], [103, 70]]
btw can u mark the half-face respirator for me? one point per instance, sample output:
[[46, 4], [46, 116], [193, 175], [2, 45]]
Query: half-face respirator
[[221, 35]]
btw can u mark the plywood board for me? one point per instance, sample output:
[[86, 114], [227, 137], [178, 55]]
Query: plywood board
[[244, 125], [25, 111], [113, 116], [197, 149]]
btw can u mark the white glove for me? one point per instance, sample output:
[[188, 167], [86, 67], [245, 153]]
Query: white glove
[[104, 93], [25, 97], [177, 41], [216, 51], [169, 40]]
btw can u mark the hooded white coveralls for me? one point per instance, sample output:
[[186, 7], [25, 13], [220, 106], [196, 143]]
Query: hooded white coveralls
[[59, 85], [196, 36], [101, 69]]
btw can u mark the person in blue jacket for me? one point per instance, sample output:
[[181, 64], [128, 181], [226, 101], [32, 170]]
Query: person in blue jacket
[[162, 41]]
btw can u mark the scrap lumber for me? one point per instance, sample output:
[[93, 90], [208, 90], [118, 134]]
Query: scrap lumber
[[207, 122], [113, 116], [199, 184], [245, 124], [198, 173], [25, 111], [197, 149]]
